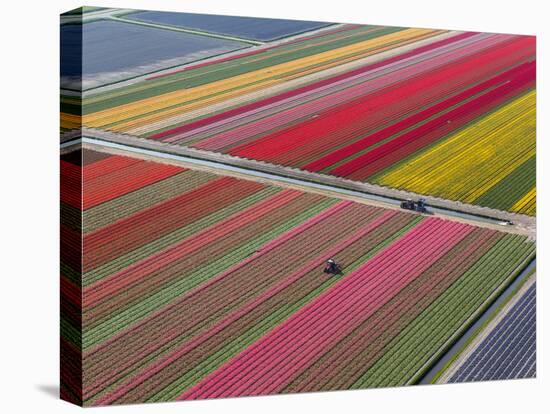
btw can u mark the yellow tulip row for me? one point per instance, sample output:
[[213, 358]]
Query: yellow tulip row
[[527, 204], [470, 162], [134, 114]]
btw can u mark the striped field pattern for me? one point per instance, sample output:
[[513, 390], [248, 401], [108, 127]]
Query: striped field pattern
[[508, 349], [390, 106], [182, 284]]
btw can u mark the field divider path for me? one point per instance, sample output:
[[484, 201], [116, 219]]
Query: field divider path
[[304, 180], [185, 30]]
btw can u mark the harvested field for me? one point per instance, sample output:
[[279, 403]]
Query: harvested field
[[194, 285]]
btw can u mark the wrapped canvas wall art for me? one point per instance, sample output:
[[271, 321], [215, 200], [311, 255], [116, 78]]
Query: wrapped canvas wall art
[[263, 206]]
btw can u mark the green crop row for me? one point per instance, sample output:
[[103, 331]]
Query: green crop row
[[121, 320], [158, 244], [512, 188], [408, 353]]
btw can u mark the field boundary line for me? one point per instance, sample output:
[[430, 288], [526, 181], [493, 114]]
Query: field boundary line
[[388, 197], [485, 329], [470, 328]]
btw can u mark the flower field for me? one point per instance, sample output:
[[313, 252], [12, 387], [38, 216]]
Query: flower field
[[468, 166], [194, 285], [507, 350], [116, 51], [386, 105]]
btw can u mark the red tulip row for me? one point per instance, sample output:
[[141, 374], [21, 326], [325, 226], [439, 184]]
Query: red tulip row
[[297, 95], [350, 122], [133, 231], [385, 155], [271, 363]]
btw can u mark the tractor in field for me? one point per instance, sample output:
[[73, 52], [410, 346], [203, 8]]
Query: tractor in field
[[332, 267], [418, 206]]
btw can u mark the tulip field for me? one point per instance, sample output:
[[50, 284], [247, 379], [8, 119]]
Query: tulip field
[[193, 285], [233, 214], [435, 112], [507, 347]]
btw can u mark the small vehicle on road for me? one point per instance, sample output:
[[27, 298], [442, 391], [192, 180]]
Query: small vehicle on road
[[418, 206]]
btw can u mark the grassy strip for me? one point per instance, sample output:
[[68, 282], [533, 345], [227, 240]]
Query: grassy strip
[[479, 330], [181, 29], [512, 188]]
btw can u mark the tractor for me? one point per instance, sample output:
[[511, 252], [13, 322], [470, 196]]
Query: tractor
[[418, 206], [332, 267]]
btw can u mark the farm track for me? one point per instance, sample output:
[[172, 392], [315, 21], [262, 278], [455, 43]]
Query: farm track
[[302, 180]]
